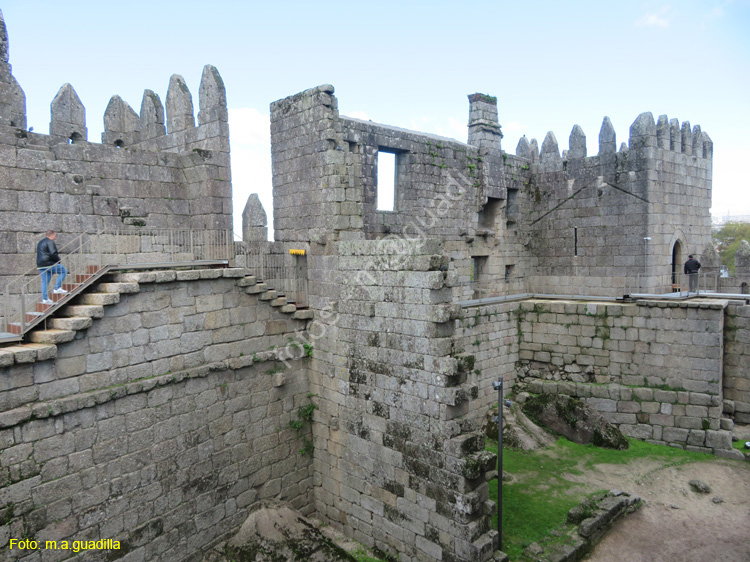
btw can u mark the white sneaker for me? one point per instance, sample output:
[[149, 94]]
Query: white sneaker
[[60, 291], [47, 301]]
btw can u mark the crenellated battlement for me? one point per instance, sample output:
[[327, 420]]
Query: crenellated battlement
[[122, 125], [665, 134], [155, 168]]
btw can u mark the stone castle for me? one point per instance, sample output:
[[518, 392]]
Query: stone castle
[[162, 405]]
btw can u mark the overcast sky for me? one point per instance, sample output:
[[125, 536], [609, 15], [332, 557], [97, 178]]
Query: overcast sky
[[410, 64]]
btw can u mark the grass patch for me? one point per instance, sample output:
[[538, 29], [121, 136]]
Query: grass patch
[[740, 446], [361, 555], [537, 501]]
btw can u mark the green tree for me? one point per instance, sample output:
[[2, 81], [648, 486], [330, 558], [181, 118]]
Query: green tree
[[728, 239]]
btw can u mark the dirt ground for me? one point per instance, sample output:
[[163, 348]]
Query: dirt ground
[[675, 524]]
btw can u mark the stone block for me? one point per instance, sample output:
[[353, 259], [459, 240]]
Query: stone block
[[675, 435], [53, 336], [89, 311], [123, 288], [718, 439], [71, 323], [101, 299]]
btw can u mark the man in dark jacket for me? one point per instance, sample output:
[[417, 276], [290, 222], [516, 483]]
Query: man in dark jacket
[[691, 270], [48, 264]]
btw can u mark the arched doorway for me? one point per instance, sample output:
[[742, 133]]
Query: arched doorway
[[677, 260]]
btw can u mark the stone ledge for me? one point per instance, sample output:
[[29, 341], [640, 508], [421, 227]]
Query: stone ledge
[[71, 323], [87, 310], [75, 402], [117, 288], [102, 299], [53, 336]]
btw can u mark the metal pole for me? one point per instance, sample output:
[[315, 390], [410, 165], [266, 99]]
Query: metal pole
[[499, 386]]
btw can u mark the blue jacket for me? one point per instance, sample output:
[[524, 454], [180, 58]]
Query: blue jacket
[[46, 253]]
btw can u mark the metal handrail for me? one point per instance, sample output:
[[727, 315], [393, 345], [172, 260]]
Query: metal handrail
[[89, 255], [283, 272], [673, 285]]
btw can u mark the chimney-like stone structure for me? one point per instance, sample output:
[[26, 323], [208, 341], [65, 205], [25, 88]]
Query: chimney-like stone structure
[[484, 127]]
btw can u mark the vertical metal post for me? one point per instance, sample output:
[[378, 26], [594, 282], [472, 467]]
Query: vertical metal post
[[499, 386], [23, 308]]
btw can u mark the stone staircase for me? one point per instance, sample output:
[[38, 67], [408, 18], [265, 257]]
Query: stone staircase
[[88, 306]]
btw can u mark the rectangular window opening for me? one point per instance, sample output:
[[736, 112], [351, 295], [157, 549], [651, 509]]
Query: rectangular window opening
[[509, 272], [575, 241], [478, 264], [489, 212], [386, 181]]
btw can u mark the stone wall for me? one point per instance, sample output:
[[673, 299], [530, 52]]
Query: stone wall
[[159, 426], [613, 219], [396, 466], [144, 174], [550, 220], [489, 333], [736, 361], [654, 368]]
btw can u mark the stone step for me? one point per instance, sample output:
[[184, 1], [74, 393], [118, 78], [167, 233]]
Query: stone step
[[122, 288], [88, 310], [303, 315], [248, 281], [51, 336], [256, 289], [27, 353], [71, 323], [102, 299], [288, 308], [280, 301], [268, 295]]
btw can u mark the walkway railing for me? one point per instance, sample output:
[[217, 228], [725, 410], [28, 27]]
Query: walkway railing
[[286, 273], [88, 256], [678, 284]]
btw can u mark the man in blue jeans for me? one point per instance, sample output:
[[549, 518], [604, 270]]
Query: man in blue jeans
[[48, 264]]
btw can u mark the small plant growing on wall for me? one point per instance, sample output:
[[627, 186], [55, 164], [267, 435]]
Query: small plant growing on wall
[[304, 417]]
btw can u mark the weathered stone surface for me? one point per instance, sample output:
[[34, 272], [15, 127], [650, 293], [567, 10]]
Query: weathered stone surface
[[577, 143], [121, 123], [180, 113], [254, 220], [89, 311], [101, 299], [607, 138], [278, 533], [212, 97], [699, 487], [68, 115], [52, 336], [151, 116], [573, 419]]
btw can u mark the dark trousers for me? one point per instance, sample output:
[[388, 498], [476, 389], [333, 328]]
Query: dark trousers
[[693, 278]]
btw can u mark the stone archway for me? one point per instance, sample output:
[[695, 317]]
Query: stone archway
[[677, 260]]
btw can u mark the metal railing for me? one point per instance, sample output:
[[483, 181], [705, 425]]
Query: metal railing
[[491, 288], [89, 256], [677, 285], [283, 272]]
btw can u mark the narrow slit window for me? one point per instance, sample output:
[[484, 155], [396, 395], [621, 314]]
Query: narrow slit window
[[478, 264], [575, 241], [386, 181]]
